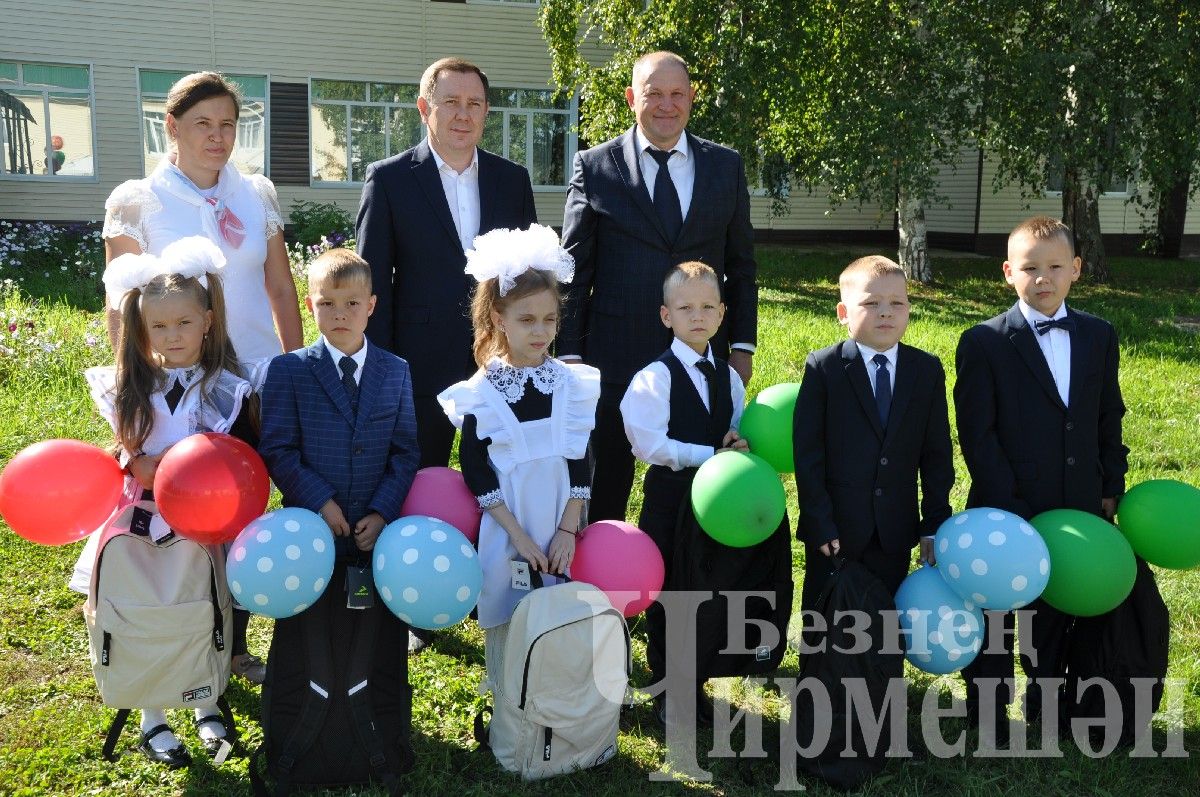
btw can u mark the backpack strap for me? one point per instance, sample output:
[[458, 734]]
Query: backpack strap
[[358, 697], [114, 733]]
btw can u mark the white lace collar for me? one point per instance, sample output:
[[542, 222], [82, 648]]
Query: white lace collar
[[510, 381]]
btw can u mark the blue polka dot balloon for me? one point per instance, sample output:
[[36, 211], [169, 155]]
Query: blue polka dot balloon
[[281, 563], [426, 571], [992, 558], [942, 632]]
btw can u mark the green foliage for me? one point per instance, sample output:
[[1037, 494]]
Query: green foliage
[[309, 222]]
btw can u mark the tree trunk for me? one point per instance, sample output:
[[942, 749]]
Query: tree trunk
[[1172, 210], [914, 249], [1081, 212]]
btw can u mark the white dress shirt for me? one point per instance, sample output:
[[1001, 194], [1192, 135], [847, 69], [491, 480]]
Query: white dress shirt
[[681, 164], [359, 357], [1055, 346], [646, 410], [462, 195], [868, 354]]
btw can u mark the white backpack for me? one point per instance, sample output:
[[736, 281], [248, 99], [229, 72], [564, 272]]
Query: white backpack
[[564, 675], [158, 617]]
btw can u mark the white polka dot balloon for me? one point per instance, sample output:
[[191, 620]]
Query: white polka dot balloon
[[279, 565], [426, 571], [942, 632], [992, 558]]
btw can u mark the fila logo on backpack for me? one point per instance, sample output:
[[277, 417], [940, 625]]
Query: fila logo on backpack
[[558, 695]]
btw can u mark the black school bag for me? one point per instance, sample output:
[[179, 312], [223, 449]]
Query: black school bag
[[336, 703], [1131, 641], [851, 587]]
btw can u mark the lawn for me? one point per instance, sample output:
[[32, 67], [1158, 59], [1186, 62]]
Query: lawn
[[52, 723]]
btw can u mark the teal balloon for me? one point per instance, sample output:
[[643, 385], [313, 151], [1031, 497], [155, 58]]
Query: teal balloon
[[738, 499], [767, 425], [942, 632], [1092, 566], [1161, 520]]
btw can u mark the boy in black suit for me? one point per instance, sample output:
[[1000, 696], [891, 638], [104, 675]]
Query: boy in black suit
[[1039, 421], [870, 419]]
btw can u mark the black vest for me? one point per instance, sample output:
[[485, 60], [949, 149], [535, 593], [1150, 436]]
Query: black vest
[[690, 422]]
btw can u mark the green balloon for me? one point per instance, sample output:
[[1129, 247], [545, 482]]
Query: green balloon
[[767, 425], [1161, 520], [1091, 564], [738, 499]]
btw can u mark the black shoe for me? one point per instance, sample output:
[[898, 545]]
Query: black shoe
[[175, 758], [660, 710], [704, 707], [213, 746], [998, 733]]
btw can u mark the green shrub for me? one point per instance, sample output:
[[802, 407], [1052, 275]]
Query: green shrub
[[311, 221]]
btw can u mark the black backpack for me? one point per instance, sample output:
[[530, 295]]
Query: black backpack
[[336, 704], [1131, 641], [850, 587], [703, 564]]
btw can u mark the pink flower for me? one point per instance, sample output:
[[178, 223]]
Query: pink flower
[[12, 327]]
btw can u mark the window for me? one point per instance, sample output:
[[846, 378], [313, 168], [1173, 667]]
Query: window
[[1055, 176], [249, 156], [47, 120], [355, 123]]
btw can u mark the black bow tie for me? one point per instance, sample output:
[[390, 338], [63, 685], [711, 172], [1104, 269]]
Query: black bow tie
[[1065, 323]]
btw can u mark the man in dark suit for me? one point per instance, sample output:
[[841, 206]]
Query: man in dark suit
[[1039, 415], [627, 221], [420, 212], [870, 419]]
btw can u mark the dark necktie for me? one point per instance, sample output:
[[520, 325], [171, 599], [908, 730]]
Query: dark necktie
[[174, 395], [666, 198], [883, 388], [1065, 323], [348, 367], [710, 377]]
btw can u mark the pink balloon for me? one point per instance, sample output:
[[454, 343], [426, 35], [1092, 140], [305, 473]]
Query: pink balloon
[[621, 560], [443, 494]]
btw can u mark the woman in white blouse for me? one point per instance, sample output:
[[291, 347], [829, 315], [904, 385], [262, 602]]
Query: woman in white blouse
[[195, 190]]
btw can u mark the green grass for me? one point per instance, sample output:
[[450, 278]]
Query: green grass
[[52, 723]]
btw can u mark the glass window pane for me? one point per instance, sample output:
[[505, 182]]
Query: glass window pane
[[493, 132], [517, 139], [71, 137], [339, 90], [25, 133], [407, 130], [327, 126], [549, 149], [155, 142], [248, 155], [532, 98], [60, 75], [504, 98], [366, 140], [394, 92], [252, 86], [155, 82], [8, 72]]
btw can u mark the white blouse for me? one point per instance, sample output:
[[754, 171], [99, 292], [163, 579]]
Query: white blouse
[[166, 206]]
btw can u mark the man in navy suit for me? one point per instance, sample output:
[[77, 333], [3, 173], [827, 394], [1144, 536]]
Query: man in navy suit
[[628, 220], [420, 213], [1039, 413]]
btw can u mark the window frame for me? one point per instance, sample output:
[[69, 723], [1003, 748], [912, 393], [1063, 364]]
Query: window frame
[[265, 100], [94, 177]]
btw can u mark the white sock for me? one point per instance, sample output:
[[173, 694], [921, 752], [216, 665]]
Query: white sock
[[211, 729], [163, 741]]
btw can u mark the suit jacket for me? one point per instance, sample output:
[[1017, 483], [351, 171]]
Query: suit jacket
[[1027, 452], [622, 255], [855, 478], [316, 448], [405, 231]]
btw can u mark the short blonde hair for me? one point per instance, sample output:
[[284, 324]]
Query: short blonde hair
[[1043, 228], [434, 71], [868, 268], [686, 272], [337, 267]]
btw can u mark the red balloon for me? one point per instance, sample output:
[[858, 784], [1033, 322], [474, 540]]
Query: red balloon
[[209, 486], [59, 491], [621, 560], [442, 493]]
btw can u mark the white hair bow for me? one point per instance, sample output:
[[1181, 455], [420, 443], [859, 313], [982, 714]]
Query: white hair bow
[[189, 257], [507, 254]]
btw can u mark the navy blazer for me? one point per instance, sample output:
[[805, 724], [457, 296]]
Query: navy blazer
[[855, 478], [1027, 452], [316, 448], [622, 255], [405, 231]]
